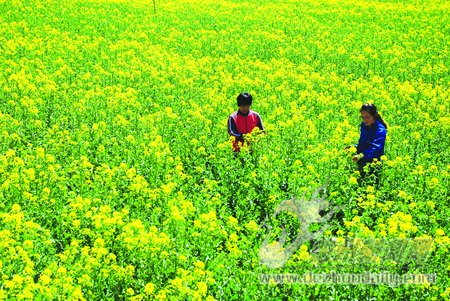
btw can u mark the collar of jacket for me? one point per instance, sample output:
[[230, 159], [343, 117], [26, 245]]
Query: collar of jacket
[[373, 126], [242, 114]]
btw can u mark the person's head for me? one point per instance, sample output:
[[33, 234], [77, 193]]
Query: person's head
[[369, 115], [244, 102]]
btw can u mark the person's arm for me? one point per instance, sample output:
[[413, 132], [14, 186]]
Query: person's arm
[[375, 146], [233, 130]]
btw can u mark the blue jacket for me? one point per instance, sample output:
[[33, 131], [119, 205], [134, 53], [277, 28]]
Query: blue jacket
[[371, 142]]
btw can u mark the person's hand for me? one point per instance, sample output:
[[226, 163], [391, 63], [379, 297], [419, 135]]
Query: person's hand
[[357, 157]]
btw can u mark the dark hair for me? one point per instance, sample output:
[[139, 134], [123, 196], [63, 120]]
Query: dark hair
[[372, 110], [244, 99]]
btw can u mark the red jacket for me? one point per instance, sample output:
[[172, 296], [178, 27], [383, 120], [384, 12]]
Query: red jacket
[[239, 124]]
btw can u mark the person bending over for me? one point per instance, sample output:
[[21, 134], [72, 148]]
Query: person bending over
[[371, 141]]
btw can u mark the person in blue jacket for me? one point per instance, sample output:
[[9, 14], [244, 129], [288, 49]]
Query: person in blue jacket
[[371, 141]]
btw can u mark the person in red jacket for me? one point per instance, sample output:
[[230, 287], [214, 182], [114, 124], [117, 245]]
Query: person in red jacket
[[243, 121]]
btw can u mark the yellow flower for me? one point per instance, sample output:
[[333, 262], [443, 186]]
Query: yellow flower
[[370, 197], [149, 289], [15, 208], [40, 152], [440, 232], [200, 265], [201, 150], [233, 237], [45, 279], [202, 288], [28, 244], [252, 226]]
